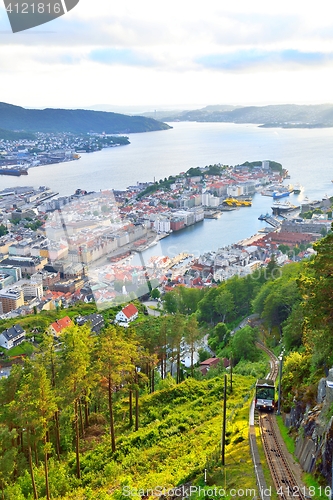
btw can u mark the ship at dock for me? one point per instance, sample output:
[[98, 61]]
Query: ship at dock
[[15, 170], [280, 194], [278, 190], [279, 207], [283, 191], [233, 202]]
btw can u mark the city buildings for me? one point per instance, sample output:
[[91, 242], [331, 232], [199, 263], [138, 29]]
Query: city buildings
[[11, 299]]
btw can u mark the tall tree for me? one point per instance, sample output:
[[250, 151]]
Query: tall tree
[[224, 304], [219, 338], [117, 356], [8, 455], [192, 336], [50, 361], [177, 333], [24, 407], [317, 290], [243, 344], [77, 373], [38, 390]]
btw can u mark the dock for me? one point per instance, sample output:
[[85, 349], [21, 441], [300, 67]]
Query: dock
[[212, 214], [272, 222]]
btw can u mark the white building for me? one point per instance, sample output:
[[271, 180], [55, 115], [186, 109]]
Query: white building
[[12, 336], [127, 314], [235, 190], [32, 289], [162, 225], [209, 200]]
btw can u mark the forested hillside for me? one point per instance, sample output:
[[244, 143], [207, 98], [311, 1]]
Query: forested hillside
[[74, 120], [89, 414]]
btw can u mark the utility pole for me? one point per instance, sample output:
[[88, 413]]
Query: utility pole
[[280, 380], [224, 419]]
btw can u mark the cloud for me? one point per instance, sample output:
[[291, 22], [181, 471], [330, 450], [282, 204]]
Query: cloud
[[125, 57], [244, 60]]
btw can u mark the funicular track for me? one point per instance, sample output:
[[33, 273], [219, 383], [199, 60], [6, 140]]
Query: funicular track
[[282, 475]]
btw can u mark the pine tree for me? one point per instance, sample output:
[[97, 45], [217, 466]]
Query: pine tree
[[116, 357], [77, 374]]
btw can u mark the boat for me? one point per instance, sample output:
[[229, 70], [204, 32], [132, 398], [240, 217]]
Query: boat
[[233, 202], [280, 194], [15, 170], [283, 207], [298, 188], [263, 217]]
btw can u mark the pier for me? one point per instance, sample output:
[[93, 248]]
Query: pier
[[272, 221]]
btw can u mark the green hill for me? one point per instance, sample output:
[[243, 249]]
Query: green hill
[[9, 135], [178, 437], [74, 120]]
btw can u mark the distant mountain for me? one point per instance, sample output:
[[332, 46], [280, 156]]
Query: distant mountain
[[279, 115], [74, 120], [150, 110], [204, 114]]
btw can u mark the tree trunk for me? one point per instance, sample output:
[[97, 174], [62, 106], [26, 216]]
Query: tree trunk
[[112, 431], [57, 434], [178, 367], [81, 419], [163, 363], [35, 450], [46, 470], [131, 406], [136, 401], [86, 411], [21, 441], [149, 378], [77, 440], [192, 360], [32, 473], [136, 409], [152, 380]]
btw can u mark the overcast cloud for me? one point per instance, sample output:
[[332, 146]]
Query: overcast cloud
[[175, 52]]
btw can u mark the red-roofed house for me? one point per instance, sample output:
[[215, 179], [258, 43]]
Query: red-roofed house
[[212, 363], [59, 325], [127, 314]]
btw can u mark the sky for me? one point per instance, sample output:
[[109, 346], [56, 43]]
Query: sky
[[174, 54]]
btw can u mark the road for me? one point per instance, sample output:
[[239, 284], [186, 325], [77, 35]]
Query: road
[[153, 303]]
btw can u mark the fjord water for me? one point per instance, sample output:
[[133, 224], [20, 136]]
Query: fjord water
[[306, 153]]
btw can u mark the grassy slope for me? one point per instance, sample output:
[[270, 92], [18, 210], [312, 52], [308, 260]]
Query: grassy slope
[[179, 438]]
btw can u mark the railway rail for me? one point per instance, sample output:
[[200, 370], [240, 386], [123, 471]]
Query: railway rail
[[283, 477]]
